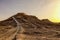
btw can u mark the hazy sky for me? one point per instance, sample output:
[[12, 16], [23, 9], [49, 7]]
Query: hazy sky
[[39, 8]]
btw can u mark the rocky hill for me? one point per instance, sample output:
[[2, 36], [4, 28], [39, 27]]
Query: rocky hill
[[32, 28]]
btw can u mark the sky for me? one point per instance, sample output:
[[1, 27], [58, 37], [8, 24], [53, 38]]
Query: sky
[[43, 9]]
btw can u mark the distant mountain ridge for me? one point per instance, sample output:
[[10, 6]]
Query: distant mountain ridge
[[21, 16]]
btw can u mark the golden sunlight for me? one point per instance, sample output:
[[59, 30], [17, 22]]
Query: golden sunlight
[[56, 14]]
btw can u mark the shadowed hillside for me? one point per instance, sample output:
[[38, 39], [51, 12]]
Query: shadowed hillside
[[31, 28]]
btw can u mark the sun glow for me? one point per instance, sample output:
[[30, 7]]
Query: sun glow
[[56, 13]]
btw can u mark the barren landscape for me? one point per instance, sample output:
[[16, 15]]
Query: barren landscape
[[28, 27]]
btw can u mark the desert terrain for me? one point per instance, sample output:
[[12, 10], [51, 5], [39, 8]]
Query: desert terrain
[[28, 27]]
